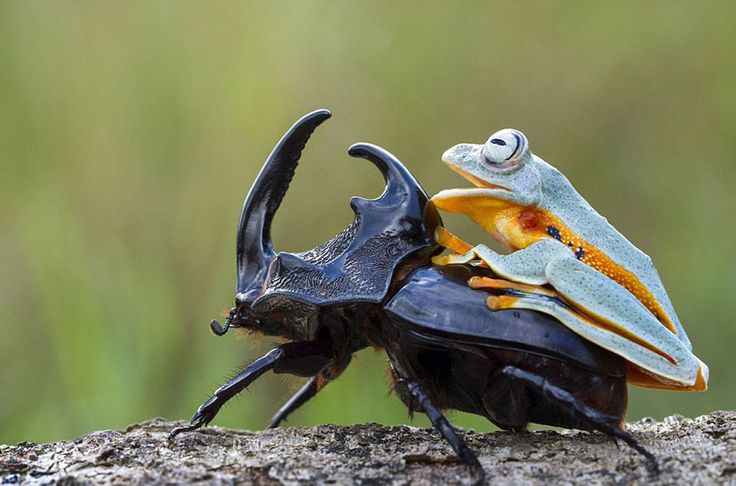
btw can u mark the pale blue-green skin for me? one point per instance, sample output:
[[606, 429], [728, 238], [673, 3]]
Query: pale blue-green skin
[[533, 182]]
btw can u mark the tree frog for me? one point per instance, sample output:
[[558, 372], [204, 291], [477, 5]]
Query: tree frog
[[602, 286]]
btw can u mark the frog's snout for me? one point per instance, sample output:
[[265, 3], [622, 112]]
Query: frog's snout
[[458, 154]]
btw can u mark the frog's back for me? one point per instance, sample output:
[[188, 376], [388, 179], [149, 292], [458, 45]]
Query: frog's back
[[597, 243]]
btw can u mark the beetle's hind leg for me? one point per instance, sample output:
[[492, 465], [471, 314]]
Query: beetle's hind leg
[[576, 409], [419, 396], [302, 358]]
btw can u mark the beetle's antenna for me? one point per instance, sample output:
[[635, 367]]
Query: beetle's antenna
[[220, 330]]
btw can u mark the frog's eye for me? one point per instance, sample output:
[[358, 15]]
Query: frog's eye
[[505, 147]]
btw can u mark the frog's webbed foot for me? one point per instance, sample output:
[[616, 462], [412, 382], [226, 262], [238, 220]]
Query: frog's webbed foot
[[463, 250]]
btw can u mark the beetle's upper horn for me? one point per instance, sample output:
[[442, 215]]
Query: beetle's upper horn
[[394, 173], [254, 249], [402, 191]]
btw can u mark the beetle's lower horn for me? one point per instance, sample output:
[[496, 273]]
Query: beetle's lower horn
[[254, 249]]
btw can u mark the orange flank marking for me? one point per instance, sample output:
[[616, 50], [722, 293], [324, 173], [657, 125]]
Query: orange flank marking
[[497, 283], [542, 224], [520, 226]]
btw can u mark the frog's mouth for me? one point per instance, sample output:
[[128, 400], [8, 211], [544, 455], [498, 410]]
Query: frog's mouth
[[481, 186]]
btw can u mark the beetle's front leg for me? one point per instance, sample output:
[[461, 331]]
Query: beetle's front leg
[[526, 266], [302, 358]]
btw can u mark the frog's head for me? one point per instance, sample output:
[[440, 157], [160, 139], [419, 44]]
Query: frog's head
[[503, 163]]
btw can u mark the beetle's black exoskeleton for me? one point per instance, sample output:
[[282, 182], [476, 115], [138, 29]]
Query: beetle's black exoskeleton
[[373, 285]]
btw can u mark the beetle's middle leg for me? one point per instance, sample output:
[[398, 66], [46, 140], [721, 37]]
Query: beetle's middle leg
[[302, 358], [419, 395], [310, 389]]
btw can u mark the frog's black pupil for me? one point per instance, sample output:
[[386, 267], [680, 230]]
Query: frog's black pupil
[[497, 141]]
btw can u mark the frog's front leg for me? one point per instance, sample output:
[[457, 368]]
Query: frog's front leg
[[446, 239], [526, 266]]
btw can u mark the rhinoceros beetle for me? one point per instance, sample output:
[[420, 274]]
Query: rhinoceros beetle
[[373, 284]]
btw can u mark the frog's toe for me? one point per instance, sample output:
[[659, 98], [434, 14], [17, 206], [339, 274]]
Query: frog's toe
[[454, 259], [447, 239]]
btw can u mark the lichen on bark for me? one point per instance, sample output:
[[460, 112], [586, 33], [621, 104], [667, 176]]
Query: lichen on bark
[[701, 451]]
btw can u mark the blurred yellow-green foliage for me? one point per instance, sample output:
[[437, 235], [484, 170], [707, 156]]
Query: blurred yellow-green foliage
[[130, 133]]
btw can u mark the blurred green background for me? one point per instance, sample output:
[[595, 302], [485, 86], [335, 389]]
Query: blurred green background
[[130, 133]]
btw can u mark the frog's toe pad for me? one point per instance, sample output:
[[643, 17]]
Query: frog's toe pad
[[453, 259], [499, 302]]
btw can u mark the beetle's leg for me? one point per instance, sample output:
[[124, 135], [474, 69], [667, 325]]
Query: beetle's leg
[[563, 399], [301, 397], [525, 266], [303, 358], [309, 390], [441, 423]]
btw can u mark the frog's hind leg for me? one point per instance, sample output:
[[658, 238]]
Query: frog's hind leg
[[507, 285], [616, 309], [627, 345]]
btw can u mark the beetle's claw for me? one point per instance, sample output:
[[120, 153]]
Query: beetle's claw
[[457, 428], [473, 464], [653, 461], [634, 444], [179, 430], [470, 459], [202, 417]]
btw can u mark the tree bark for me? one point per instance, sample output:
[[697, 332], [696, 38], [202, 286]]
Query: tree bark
[[691, 451]]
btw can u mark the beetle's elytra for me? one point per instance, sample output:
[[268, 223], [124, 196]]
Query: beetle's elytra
[[373, 284]]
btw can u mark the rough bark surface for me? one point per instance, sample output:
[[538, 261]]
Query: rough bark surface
[[691, 451]]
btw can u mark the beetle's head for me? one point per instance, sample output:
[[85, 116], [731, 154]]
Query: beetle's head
[[255, 251], [294, 295]]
